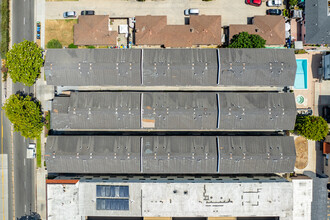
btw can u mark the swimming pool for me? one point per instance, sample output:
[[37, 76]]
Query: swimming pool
[[301, 74]]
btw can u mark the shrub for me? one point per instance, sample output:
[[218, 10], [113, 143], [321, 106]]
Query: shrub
[[54, 44], [285, 12], [72, 46], [91, 47], [302, 51]]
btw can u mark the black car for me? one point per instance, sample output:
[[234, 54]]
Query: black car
[[326, 113], [274, 12], [87, 12]]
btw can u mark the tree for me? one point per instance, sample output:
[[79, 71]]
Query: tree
[[293, 2], [24, 61], [25, 114], [54, 44], [311, 127], [246, 40]]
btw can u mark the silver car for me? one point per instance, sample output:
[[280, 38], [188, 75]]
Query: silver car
[[69, 14]]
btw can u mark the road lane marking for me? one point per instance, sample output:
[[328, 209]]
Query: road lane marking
[[24, 184], [24, 20], [13, 169], [24, 161], [2, 175], [25, 209]]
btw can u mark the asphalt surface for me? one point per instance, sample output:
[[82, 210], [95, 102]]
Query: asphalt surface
[[24, 175]]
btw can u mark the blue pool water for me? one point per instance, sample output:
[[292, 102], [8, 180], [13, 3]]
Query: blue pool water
[[301, 74]]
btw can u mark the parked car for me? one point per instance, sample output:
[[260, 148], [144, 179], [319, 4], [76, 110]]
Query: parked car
[[31, 151], [88, 12], [69, 14], [304, 111], [253, 2], [326, 113], [274, 12], [191, 11], [274, 3]]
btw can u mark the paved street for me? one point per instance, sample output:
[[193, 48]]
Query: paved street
[[23, 20], [24, 169], [232, 12]]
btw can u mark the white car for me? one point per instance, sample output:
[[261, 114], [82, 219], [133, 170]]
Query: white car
[[191, 11], [31, 151], [274, 3]]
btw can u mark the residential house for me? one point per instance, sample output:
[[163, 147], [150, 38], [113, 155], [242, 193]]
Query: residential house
[[94, 30], [201, 30], [269, 27]]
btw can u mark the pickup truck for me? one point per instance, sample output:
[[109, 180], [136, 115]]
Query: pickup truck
[[31, 151]]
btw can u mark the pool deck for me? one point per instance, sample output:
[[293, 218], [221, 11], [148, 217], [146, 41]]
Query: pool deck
[[311, 81], [311, 101]]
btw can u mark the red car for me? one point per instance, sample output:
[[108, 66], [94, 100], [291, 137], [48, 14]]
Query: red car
[[253, 2]]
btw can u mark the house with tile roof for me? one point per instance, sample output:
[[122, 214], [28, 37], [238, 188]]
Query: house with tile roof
[[94, 30], [201, 30], [271, 28]]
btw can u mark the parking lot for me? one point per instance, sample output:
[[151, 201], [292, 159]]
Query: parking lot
[[232, 12]]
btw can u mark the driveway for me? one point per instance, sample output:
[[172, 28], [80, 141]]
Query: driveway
[[232, 11]]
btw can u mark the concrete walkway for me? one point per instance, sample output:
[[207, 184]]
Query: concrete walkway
[[44, 93], [4, 186], [40, 16], [232, 12]]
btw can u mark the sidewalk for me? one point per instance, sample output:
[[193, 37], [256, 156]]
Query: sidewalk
[[40, 16], [44, 94], [41, 183]]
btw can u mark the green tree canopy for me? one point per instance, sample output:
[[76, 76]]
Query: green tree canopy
[[293, 2], [25, 114], [311, 127], [24, 61], [246, 40], [54, 44]]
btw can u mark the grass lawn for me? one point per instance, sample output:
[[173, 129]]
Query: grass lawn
[[60, 29], [38, 152], [47, 126]]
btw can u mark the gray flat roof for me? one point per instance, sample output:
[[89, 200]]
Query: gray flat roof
[[170, 67], [177, 67], [180, 111], [179, 154], [257, 67], [256, 154], [85, 67], [170, 154], [275, 111], [317, 22], [84, 110], [93, 154]]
